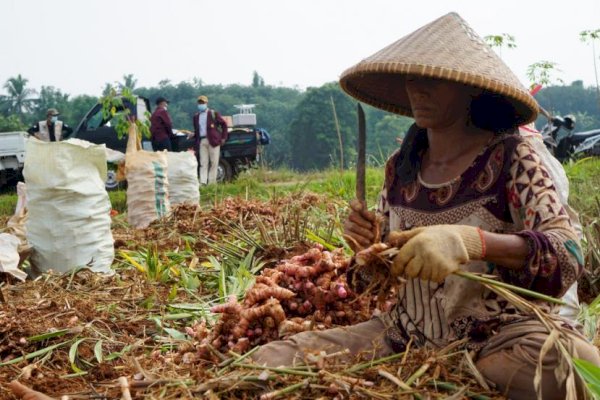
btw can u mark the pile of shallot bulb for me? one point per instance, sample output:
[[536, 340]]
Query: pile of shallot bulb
[[306, 292]]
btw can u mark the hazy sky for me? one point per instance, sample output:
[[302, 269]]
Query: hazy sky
[[78, 45]]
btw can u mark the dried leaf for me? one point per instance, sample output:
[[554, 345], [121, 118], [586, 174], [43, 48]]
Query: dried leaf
[[98, 351], [475, 372], [458, 395], [548, 344], [394, 379]]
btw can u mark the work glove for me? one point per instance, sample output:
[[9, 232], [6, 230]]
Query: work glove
[[432, 253], [359, 228]]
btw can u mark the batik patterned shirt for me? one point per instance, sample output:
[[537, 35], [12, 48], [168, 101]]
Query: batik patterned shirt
[[505, 190]]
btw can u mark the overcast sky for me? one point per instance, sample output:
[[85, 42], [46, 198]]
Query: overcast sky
[[79, 45]]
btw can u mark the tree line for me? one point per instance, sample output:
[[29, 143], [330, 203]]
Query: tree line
[[301, 122]]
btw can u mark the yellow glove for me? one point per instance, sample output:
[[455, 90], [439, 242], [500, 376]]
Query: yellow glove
[[434, 252]]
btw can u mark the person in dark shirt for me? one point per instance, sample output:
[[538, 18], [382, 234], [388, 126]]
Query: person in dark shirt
[[161, 126], [50, 130], [210, 132]]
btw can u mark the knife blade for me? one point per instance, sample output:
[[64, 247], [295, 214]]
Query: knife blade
[[361, 194]]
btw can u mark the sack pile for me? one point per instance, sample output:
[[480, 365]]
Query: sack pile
[[183, 178], [147, 183]]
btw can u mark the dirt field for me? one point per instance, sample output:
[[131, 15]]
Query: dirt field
[[75, 335]]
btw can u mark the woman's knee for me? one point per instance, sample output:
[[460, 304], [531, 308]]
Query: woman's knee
[[512, 371], [586, 351]]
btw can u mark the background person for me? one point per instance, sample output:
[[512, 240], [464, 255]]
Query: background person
[[210, 132], [50, 130], [161, 126]]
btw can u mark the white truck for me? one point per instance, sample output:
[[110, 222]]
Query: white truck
[[12, 156]]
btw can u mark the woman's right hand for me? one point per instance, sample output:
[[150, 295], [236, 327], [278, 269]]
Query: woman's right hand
[[359, 228]]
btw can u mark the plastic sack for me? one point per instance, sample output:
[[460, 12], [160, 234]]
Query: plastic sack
[[114, 156], [68, 221], [184, 186], [147, 183], [16, 225], [9, 256]]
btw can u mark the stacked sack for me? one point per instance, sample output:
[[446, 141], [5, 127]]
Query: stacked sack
[[183, 178], [147, 183]]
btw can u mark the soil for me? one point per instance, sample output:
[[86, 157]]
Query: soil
[[97, 329]]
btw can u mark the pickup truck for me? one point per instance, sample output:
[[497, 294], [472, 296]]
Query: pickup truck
[[12, 156], [242, 149]]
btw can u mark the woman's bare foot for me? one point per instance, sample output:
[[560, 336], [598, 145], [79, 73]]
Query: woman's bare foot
[[26, 393]]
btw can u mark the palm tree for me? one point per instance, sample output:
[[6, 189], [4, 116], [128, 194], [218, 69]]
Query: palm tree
[[108, 89], [19, 98], [128, 82]]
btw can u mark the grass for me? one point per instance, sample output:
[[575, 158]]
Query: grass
[[8, 202], [584, 197], [118, 200], [584, 176], [263, 184]]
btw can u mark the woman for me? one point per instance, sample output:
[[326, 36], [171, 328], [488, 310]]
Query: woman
[[465, 191]]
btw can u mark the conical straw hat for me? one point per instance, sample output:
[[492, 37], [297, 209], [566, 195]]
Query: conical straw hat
[[446, 48]]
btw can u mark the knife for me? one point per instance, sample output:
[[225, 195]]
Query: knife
[[361, 194]]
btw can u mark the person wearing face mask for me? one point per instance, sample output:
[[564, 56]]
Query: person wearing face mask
[[210, 132], [50, 130], [161, 126]]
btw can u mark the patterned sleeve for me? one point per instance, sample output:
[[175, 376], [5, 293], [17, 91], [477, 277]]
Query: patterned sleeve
[[555, 260], [383, 211]]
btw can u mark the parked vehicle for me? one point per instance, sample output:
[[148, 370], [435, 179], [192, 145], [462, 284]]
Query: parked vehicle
[[12, 156], [242, 149], [591, 143], [563, 143]]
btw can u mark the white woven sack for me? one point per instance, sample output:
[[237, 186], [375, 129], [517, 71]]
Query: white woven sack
[[68, 221], [9, 256], [183, 178], [147, 184], [17, 224]]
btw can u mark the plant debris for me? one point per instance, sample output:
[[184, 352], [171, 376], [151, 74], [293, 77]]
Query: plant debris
[[148, 330]]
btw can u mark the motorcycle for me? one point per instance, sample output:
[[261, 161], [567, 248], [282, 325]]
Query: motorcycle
[[591, 144], [564, 144]]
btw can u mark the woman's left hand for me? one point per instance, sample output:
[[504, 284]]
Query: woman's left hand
[[434, 252]]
